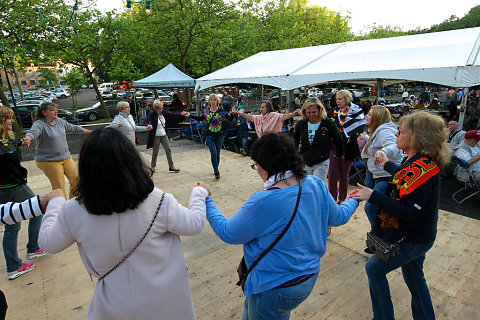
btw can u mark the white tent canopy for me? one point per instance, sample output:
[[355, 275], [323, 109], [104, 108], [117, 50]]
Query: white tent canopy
[[449, 58], [168, 77]]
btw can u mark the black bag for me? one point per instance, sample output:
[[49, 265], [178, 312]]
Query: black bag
[[242, 272], [383, 249], [242, 269]]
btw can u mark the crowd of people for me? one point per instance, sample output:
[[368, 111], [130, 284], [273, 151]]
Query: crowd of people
[[283, 240]]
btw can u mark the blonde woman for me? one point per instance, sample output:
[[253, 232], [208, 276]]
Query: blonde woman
[[350, 122], [381, 138], [314, 135], [51, 153], [215, 116], [408, 211], [124, 122], [14, 188], [158, 119]]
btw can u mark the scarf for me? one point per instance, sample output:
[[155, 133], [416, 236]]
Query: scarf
[[349, 118], [405, 181], [276, 178]]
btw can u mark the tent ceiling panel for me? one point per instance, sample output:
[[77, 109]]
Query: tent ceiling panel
[[448, 58]]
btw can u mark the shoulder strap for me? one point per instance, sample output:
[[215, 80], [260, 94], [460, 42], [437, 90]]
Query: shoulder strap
[[281, 234], [138, 243]]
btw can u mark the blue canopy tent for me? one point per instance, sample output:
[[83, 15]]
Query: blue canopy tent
[[168, 77]]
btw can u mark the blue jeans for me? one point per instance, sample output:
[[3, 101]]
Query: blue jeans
[[368, 178], [410, 259], [245, 143], [277, 303], [370, 209], [215, 145], [10, 236]]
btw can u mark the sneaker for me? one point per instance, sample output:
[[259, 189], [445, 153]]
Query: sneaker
[[37, 254], [217, 175], [367, 250], [242, 152], [329, 231], [24, 268]]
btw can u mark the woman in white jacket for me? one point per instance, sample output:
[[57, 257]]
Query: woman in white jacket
[[125, 124], [381, 138], [115, 209]]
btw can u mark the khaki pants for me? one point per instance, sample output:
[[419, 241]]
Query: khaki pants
[[55, 170]]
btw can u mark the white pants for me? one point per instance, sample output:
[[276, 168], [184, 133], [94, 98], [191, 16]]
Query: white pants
[[319, 170]]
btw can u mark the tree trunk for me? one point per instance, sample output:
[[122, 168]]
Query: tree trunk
[[99, 95], [19, 84]]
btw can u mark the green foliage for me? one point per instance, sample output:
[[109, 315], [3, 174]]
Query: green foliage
[[377, 32], [74, 80], [48, 75], [470, 20]]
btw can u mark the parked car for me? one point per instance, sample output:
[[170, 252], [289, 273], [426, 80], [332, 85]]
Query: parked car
[[25, 114], [96, 111], [246, 93], [107, 94], [119, 94], [61, 93], [25, 102]]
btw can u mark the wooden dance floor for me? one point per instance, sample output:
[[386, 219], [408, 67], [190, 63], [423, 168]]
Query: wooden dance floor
[[60, 288]]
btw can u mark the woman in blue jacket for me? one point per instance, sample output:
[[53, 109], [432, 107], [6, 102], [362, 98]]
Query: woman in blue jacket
[[291, 268]]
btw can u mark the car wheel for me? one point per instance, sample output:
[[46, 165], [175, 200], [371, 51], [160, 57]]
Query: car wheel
[[63, 96], [92, 117]]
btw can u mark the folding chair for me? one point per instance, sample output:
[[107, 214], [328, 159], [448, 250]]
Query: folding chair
[[469, 183], [359, 171], [231, 138], [197, 131]]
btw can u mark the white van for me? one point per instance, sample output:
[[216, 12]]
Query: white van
[[106, 85]]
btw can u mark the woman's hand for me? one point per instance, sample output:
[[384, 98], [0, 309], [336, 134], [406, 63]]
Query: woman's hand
[[362, 193], [26, 141], [44, 199], [234, 111], [205, 186], [297, 112], [149, 127], [363, 136], [380, 158], [87, 131], [185, 114]]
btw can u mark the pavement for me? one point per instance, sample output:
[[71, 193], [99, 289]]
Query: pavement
[[60, 288]]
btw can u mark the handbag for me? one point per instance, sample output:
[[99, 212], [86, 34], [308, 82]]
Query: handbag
[[382, 248], [242, 269], [138, 243]]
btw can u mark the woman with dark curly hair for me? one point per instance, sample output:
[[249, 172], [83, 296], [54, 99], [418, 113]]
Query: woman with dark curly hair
[[118, 210], [291, 268]]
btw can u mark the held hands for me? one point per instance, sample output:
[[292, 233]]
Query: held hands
[[185, 114], [380, 158], [363, 135], [362, 193], [44, 199], [149, 127], [26, 141], [205, 186], [297, 112]]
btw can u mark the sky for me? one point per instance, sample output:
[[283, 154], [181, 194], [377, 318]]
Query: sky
[[406, 14]]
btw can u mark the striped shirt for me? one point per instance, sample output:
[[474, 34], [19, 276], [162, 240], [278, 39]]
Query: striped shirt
[[13, 212]]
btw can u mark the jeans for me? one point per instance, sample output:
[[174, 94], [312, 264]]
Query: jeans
[[10, 236], [215, 145], [370, 209], [368, 178], [319, 170], [277, 303], [410, 259], [245, 144]]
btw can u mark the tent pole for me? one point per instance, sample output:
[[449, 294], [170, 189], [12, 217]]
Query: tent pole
[[463, 108], [377, 89]]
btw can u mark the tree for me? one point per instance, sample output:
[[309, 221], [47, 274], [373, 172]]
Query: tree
[[75, 80], [48, 75]]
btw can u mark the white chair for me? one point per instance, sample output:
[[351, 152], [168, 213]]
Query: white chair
[[469, 184]]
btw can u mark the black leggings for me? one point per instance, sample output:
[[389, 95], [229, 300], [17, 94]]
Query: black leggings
[[3, 305]]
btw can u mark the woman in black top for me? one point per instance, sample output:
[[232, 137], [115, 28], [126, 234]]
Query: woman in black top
[[408, 211], [13, 187], [314, 135]]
